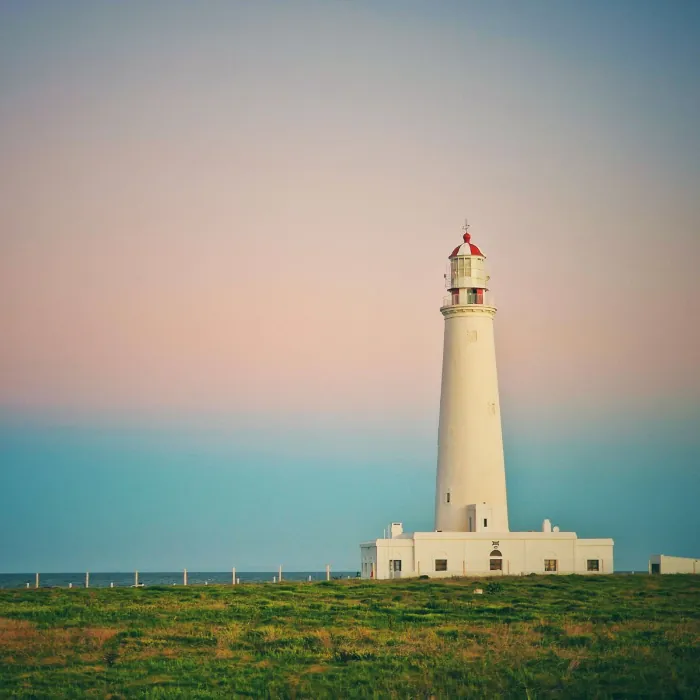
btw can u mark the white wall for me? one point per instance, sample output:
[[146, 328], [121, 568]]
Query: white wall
[[470, 443], [675, 565], [381, 552], [470, 554]]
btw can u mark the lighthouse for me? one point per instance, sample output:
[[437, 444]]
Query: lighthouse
[[471, 479], [471, 535]]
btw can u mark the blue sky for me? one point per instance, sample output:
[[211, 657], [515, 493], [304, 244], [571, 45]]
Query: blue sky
[[223, 230], [164, 498]]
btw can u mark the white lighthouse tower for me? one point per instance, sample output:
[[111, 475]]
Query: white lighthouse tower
[[471, 479], [471, 535]]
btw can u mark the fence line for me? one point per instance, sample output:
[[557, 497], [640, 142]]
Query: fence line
[[138, 581]]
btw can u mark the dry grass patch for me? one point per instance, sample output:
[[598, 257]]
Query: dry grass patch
[[18, 636], [578, 628], [470, 653], [22, 639], [222, 652], [316, 668], [363, 633], [155, 653], [52, 661], [324, 637], [97, 636]]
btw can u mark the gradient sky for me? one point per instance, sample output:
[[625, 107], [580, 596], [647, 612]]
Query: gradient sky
[[223, 230]]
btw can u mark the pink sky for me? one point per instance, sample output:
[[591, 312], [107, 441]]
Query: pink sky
[[242, 230]]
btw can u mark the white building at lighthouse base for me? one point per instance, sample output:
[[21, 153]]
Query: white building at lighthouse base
[[447, 554]]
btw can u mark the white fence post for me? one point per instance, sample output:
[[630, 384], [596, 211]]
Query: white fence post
[[279, 579], [136, 579], [36, 581], [328, 572], [87, 579], [184, 577], [233, 576]]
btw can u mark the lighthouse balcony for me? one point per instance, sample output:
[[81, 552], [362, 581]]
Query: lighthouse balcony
[[463, 297]]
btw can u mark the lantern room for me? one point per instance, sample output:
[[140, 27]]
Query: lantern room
[[466, 278]]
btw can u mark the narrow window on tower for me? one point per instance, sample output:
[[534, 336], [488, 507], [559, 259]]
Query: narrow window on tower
[[486, 522], [447, 497]]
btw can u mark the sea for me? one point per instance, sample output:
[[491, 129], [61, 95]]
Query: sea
[[126, 579]]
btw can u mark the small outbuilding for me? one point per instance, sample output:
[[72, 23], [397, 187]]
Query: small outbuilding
[[663, 564]]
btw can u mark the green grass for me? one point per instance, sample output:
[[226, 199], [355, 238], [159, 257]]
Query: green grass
[[530, 637]]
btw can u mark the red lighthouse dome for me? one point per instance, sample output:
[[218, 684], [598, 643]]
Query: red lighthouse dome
[[466, 248]]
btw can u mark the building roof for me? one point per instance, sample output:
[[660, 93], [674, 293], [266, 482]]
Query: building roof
[[467, 248]]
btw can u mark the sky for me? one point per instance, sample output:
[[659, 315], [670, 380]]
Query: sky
[[223, 233]]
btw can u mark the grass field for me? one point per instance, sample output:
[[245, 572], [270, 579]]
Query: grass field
[[530, 637]]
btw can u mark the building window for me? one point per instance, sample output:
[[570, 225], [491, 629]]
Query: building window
[[656, 568], [395, 565], [486, 522], [471, 524], [441, 565], [550, 564], [496, 565], [447, 497], [496, 553], [593, 565]]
